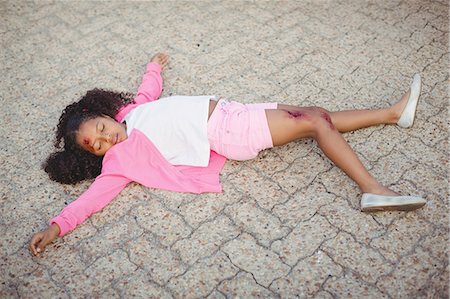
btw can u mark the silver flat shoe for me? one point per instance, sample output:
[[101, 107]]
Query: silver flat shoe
[[374, 202], [407, 117]]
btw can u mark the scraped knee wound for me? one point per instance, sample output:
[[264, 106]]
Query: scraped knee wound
[[295, 114], [327, 118]]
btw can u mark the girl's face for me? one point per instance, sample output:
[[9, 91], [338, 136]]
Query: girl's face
[[98, 135]]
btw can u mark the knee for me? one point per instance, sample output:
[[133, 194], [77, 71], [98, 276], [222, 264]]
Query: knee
[[321, 120], [310, 121]]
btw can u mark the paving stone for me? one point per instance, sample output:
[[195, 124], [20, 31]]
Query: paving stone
[[62, 274], [216, 295], [293, 73], [263, 225], [437, 285], [399, 238], [172, 200], [338, 184], [349, 285], [206, 207], [8, 291], [291, 151], [139, 285], [305, 237], [438, 250], [100, 275], [373, 149], [341, 215], [203, 277], [400, 283], [43, 286], [303, 204], [385, 171], [300, 91], [244, 286], [168, 226], [12, 232], [264, 265], [16, 265], [251, 183], [159, 262], [365, 261], [120, 207], [307, 277], [432, 183], [302, 172], [206, 239], [111, 239], [268, 163]]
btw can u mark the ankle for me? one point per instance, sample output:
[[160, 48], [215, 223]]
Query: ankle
[[379, 190], [393, 115], [390, 115], [395, 111]]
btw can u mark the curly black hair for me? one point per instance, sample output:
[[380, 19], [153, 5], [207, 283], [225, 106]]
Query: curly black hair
[[70, 163]]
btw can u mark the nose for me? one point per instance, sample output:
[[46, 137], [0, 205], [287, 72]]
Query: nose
[[108, 137]]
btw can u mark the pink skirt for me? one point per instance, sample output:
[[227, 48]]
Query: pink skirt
[[239, 131]]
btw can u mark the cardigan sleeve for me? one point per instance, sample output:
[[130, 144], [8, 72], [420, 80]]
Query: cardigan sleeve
[[102, 191], [150, 89], [151, 86]]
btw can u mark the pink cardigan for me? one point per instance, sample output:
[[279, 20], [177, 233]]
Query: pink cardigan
[[137, 160]]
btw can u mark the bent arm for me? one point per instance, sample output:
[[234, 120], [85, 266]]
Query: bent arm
[[102, 191]]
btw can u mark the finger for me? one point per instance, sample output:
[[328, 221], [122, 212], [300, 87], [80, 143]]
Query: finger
[[31, 248], [34, 241], [41, 247]]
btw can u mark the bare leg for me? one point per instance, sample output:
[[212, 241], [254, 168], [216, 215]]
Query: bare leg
[[346, 121], [288, 125]]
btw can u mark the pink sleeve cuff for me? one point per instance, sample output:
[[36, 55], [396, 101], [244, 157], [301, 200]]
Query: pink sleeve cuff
[[64, 228], [153, 67]]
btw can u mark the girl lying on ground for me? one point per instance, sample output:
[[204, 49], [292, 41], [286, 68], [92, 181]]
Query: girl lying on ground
[[180, 143]]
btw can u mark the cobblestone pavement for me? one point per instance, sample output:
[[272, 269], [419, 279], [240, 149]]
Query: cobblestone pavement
[[288, 223]]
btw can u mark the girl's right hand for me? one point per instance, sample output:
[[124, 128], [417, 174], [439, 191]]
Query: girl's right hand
[[161, 59], [43, 238]]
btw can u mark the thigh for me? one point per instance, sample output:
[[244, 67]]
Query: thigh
[[288, 123]]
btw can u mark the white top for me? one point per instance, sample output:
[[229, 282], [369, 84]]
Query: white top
[[177, 126]]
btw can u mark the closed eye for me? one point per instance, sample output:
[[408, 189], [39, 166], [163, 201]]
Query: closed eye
[[100, 127]]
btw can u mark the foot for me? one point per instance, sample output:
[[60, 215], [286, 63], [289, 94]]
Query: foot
[[374, 203], [397, 109], [405, 110]]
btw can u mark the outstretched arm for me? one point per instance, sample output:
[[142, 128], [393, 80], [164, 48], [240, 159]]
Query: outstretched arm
[[151, 85], [102, 191]]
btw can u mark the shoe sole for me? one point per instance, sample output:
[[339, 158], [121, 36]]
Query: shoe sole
[[405, 207]]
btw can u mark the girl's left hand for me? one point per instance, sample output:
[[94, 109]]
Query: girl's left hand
[[161, 59], [41, 239]]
